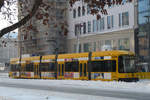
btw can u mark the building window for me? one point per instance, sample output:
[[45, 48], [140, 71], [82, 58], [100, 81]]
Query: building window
[[120, 20], [88, 9], [86, 47], [77, 29], [110, 22], [83, 11], [124, 19], [74, 13], [114, 44], [94, 26], [84, 28], [79, 11], [75, 47], [89, 26], [108, 42], [123, 44], [101, 24]]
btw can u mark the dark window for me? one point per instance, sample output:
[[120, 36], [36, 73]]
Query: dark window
[[74, 13], [59, 70], [103, 66], [89, 26], [85, 70], [120, 65], [84, 28], [62, 69], [83, 11], [88, 9], [15, 67], [80, 70], [47, 67], [44, 67], [79, 11], [51, 67], [72, 66], [29, 67]]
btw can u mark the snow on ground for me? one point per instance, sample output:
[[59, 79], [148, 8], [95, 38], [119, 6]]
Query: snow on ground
[[141, 86], [27, 94]]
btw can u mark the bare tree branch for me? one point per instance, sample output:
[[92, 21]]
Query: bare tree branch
[[1, 3], [22, 21]]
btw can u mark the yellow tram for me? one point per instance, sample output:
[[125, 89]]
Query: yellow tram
[[104, 65]]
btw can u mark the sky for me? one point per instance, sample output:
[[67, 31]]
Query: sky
[[4, 22]]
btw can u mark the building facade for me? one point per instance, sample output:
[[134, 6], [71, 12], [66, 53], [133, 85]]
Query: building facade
[[143, 33], [117, 29], [46, 31]]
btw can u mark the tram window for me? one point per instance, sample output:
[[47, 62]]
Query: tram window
[[120, 65], [72, 66], [29, 67], [104, 66], [14, 67], [44, 66], [62, 69], [80, 69], [85, 69], [51, 67], [110, 66], [17, 67], [97, 66]]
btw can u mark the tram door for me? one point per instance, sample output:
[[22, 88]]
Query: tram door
[[22, 70], [36, 71], [83, 71], [60, 71]]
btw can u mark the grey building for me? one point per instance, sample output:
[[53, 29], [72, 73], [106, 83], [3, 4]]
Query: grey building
[[44, 32], [8, 49]]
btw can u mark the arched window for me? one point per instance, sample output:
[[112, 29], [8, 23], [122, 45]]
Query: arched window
[[74, 13], [79, 11], [83, 11]]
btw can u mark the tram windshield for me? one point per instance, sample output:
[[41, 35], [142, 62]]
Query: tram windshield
[[126, 64]]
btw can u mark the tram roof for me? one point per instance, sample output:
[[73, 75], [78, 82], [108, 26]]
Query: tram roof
[[76, 55]]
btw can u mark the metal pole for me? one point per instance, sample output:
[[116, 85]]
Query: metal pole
[[20, 58]]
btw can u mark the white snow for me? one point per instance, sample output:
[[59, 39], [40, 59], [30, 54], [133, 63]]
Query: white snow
[[7, 93], [24, 94]]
